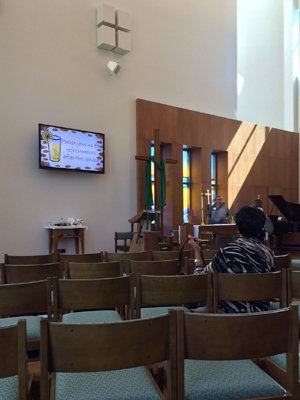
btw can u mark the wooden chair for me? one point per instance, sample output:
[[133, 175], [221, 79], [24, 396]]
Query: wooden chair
[[163, 267], [175, 238], [249, 287], [26, 301], [170, 255], [84, 258], [125, 238], [96, 270], [189, 263], [141, 255], [11, 273], [165, 241], [276, 365], [36, 259], [215, 353], [77, 296], [283, 261], [293, 289], [188, 266], [159, 293], [14, 381], [113, 357], [208, 255]]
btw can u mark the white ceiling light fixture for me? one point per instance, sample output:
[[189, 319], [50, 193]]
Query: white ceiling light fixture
[[114, 67]]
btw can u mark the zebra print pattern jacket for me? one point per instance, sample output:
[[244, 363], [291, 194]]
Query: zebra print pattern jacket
[[243, 256]]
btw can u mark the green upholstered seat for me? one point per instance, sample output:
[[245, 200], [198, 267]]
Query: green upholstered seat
[[91, 317], [124, 384], [295, 263], [32, 325], [280, 359], [150, 312], [9, 388], [220, 380]]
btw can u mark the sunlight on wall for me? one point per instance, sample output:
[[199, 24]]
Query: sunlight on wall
[[296, 48], [240, 83], [242, 153]]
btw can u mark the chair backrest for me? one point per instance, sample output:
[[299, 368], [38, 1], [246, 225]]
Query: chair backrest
[[283, 261], [247, 336], [11, 273], [175, 238], [110, 346], [172, 290], [141, 255], [74, 270], [163, 267], [13, 358], [189, 266], [189, 263], [249, 287], [92, 294], [165, 241], [293, 285], [209, 254], [25, 298], [89, 258], [36, 259], [123, 237], [170, 255]]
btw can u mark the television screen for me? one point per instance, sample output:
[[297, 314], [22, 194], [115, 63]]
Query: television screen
[[70, 149]]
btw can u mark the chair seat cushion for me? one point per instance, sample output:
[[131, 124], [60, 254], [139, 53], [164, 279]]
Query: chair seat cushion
[[280, 359], [295, 263], [220, 380], [274, 305], [9, 388], [149, 312], [91, 317], [298, 304], [124, 384], [32, 325]]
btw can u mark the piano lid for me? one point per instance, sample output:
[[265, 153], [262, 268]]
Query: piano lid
[[291, 211]]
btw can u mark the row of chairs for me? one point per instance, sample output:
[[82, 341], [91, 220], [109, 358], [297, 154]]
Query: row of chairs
[[14, 273], [282, 261], [134, 296], [17, 273], [148, 255], [202, 356]]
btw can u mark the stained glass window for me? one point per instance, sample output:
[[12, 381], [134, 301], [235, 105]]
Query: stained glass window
[[213, 169], [152, 178], [186, 185]]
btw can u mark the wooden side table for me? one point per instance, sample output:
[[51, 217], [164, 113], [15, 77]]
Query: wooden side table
[[55, 233]]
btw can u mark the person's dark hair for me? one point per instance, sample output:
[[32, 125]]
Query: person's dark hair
[[250, 221], [258, 203]]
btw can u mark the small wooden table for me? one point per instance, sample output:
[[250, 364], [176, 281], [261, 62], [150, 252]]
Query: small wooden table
[[54, 235]]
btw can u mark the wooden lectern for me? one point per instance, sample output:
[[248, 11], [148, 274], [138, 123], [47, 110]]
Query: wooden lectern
[[142, 241]]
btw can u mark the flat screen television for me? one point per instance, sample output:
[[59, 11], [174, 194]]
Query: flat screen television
[[71, 149]]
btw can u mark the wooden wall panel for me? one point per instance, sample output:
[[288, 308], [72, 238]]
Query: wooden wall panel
[[257, 159]]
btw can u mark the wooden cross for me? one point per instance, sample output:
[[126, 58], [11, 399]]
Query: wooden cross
[[158, 157], [208, 196]]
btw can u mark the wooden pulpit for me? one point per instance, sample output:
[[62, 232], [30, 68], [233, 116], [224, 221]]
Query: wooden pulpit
[[142, 241]]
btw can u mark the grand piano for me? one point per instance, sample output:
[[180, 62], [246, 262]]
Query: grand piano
[[284, 229]]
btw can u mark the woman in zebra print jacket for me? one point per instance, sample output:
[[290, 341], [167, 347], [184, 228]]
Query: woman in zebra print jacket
[[246, 255]]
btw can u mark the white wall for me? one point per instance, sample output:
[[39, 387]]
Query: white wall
[[183, 54], [265, 62]]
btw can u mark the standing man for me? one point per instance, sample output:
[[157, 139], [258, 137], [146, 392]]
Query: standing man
[[218, 212]]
